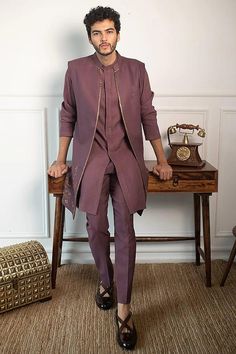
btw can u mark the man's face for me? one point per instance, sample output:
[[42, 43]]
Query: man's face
[[104, 37]]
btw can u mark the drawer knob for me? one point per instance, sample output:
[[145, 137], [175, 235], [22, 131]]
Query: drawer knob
[[175, 181]]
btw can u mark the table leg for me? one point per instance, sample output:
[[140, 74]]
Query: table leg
[[56, 238], [197, 225], [61, 234], [229, 264], [206, 236]]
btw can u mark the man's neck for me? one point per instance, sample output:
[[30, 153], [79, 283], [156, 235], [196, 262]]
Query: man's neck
[[107, 60]]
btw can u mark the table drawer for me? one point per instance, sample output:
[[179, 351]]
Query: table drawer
[[185, 179], [178, 184]]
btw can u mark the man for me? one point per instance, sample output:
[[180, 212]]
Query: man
[[107, 99]]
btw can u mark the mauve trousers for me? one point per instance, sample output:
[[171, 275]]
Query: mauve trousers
[[125, 242]]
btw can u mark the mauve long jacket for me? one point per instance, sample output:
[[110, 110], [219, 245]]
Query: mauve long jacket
[[80, 113]]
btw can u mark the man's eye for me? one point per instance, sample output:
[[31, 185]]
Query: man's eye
[[95, 33], [110, 32]]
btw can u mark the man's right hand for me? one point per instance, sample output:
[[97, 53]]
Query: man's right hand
[[57, 169]]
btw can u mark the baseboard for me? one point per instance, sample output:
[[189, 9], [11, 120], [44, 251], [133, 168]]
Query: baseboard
[[144, 257]]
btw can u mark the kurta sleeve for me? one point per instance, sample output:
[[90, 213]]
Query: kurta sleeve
[[148, 112], [68, 108]]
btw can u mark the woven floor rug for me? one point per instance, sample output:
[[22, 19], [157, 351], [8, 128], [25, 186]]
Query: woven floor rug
[[173, 311]]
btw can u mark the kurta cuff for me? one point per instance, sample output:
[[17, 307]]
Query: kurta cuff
[[66, 129], [152, 133]]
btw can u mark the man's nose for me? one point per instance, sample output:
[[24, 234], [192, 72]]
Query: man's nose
[[104, 37]]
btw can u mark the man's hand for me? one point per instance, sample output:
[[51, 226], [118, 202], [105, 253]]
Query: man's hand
[[163, 170], [57, 169]]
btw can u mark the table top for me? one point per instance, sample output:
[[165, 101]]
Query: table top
[[206, 168], [185, 179]]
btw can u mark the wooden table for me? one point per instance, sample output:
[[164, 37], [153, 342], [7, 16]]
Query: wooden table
[[201, 182]]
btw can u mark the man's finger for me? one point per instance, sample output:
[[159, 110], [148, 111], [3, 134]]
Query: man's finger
[[155, 171], [64, 170]]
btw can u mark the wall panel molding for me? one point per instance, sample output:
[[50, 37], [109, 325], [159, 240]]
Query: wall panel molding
[[43, 112], [22, 156], [226, 201]]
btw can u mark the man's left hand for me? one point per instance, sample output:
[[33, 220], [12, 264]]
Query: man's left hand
[[163, 170]]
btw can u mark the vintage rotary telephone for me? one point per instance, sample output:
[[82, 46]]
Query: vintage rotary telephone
[[185, 153]]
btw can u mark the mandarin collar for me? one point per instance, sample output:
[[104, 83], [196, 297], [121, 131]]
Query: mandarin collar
[[114, 66]]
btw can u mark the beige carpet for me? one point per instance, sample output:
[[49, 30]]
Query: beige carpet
[[173, 310]]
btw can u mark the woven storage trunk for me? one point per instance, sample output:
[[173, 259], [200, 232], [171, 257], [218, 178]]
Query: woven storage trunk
[[25, 275]]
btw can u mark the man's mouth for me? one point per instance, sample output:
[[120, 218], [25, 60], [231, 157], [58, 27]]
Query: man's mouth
[[104, 45]]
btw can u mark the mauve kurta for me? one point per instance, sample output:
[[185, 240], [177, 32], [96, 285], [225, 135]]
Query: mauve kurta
[[80, 111], [111, 144]]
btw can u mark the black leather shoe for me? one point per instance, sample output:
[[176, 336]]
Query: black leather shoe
[[126, 336], [102, 301]]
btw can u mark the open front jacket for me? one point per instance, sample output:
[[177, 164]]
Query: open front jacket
[[80, 113]]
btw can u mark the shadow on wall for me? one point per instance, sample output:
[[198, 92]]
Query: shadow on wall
[[73, 45]]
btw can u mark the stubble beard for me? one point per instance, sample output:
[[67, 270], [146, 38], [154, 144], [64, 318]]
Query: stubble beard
[[105, 54]]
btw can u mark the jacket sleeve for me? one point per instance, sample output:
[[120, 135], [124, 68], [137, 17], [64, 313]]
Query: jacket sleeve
[[148, 112], [68, 108]]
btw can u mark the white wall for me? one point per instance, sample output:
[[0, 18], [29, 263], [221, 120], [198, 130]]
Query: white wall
[[189, 48]]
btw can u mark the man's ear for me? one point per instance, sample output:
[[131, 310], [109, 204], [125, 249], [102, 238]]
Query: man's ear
[[118, 37]]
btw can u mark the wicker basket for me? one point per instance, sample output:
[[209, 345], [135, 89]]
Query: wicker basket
[[25, 275]]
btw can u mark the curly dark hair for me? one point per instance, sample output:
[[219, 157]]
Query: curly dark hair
[[101, 13]]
